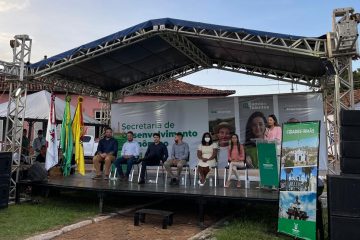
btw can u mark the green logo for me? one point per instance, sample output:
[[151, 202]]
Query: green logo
[[296, 230]]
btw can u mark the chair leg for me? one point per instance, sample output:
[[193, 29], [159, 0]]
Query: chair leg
[[225, 173], [216, 176], [247, 182], [186, 172], [195, 176], [189, 175], [139, 173], [157, 174], [163, 173], [132, 174]]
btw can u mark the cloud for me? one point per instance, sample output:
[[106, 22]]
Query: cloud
[[6, 5], [5, 50]]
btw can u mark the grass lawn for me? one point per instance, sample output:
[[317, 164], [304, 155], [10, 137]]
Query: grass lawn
[[258, 223], [26, 219]]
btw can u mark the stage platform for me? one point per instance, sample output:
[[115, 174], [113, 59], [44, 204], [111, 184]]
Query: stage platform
[[201, 195], [86, 183]]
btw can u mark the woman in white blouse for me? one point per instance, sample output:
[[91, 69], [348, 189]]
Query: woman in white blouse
[[206, 154]]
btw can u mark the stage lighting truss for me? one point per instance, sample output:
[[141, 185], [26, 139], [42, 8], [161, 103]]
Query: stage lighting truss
[[177, 37], [173, 74], [339, 88], [9, 69]]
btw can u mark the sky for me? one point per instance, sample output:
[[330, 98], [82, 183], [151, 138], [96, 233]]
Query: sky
[[57, 26]]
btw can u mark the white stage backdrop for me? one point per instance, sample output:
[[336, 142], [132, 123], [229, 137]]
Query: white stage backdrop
[[220, 117]]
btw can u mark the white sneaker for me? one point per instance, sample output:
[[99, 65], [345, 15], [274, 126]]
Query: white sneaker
[[202, 184]]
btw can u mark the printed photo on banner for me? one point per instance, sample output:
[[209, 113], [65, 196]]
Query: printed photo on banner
[[253, 121], [301, 152], [298, 205], [298, 179], [221, 126]]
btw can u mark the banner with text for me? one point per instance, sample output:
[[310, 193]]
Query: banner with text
[[167, 118], [245, 116], [298, 179]]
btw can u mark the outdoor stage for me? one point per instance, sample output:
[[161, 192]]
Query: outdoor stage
[[199, 194]]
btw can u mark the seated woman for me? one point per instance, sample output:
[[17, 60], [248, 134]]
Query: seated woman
[[206, 154], [236, 159]]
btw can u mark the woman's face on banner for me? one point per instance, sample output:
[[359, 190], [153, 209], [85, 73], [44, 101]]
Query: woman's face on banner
[[224, 137], [258, 127]]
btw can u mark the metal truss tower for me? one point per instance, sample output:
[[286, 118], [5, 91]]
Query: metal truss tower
[[342, 48], [21, 45], [105, 114]]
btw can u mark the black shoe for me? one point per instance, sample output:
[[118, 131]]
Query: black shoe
[[142, 181], [173, 181], [177, 182]]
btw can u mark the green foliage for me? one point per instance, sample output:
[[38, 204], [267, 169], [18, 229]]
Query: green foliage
[[356, 75], [257, 223], [26, 219]]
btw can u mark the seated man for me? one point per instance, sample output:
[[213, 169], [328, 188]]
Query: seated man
[[179, 157], [106, 151], [129, 154], [155, 153], [39, 142], [42, 155]]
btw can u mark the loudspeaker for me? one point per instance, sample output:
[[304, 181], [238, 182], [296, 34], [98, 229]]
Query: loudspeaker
[[344, 195], [343, 228], [343, 206], [350, 133], [350, 149], [37, 172], [350, 117], [5, 164], [350, 165], [4, 194]]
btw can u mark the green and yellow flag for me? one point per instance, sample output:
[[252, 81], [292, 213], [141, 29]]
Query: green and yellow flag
[[66, 138], [78, 131]]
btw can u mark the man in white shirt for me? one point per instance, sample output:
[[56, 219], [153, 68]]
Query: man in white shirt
[[129, 154]]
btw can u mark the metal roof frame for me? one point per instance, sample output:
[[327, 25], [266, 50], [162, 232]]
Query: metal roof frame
[[177, 36]]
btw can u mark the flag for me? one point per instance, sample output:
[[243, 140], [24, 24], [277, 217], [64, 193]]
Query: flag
[[52, 157], [66, 138], [78, 131]]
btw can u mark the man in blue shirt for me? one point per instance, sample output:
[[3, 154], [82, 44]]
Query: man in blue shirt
[[129, 153], [106, 152], [156, 152], [39, 142]]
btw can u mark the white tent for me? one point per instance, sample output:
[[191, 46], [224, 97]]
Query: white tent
[[38, 107]]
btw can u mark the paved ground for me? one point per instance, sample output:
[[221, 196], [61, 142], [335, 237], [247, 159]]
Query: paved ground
[[122, 227]]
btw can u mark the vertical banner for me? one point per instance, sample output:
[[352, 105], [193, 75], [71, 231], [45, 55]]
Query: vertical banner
[[268, 164], [298, 179]]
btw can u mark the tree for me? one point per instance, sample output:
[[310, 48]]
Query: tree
[[288, 171], [307, 172]]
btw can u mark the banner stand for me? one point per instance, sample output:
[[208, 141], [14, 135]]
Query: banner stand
[[268, 164], [298, 195]]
